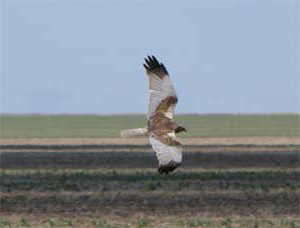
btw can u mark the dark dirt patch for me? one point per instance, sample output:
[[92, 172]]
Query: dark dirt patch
[[201, 159]]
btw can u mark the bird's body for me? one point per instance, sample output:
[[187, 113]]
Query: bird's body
[[161, 128]]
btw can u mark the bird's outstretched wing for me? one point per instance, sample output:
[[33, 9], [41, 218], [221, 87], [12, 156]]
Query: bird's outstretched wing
[[168, 152], [162, 95]]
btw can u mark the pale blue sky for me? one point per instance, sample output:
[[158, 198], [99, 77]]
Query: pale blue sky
[[85, 56]]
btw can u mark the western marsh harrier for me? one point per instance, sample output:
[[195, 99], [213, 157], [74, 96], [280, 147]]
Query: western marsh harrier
[[161, 128]]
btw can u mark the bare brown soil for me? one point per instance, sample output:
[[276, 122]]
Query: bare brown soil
[[265, 140], [197, 157]]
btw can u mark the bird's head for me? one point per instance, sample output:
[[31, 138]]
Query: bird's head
[[180, 129]]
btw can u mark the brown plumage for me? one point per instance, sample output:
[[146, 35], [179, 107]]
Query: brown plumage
[[166, 103]]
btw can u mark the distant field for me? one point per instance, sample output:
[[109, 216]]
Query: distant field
[[96, 126]]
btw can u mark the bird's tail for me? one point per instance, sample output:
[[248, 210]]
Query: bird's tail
[[134, 132]]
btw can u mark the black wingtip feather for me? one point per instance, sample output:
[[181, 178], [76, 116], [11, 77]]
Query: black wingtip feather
[[166, 169], [146, 67], [154, 66], [148, 62], [154, 59]]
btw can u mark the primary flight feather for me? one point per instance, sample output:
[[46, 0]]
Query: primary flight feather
[[161, 128]]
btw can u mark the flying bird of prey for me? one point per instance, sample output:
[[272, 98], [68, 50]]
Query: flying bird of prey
[[161, 128]]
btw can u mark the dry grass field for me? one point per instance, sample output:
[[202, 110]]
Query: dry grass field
[[247, 180], [95, 126]]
